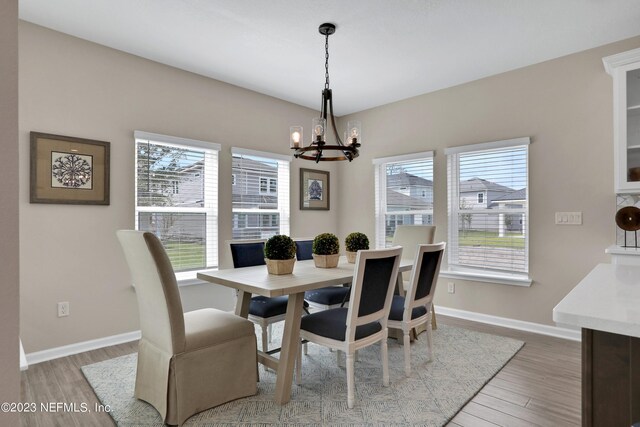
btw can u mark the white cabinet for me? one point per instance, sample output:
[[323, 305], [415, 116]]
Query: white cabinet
[[625, 70]]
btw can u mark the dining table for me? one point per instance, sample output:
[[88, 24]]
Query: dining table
[[306, 276]]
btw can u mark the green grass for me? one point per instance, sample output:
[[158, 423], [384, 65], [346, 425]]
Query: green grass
[[186, 256], [491, 239]]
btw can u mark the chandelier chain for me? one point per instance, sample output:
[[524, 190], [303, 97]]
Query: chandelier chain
[[326, 62]]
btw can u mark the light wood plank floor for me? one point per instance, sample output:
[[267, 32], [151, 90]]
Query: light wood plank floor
[[540, 386]]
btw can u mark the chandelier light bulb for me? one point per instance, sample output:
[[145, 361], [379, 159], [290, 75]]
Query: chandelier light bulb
[[319, 130], [296, 137]]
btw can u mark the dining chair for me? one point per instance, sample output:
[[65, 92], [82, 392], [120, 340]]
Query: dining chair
[[409, 237], [263, 311], [364, 322], [414, 308], [187, 362], [322, 298]]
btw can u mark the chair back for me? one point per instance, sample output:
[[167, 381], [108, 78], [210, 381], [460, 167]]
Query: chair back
[[159, 304], [304, 249], [374, 280], [247, 253], [424, 276], [409, 236]]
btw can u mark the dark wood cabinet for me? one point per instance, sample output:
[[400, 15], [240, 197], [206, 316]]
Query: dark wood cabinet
[[610, 379]]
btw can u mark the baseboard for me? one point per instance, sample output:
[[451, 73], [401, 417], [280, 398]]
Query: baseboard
[[553, 331], [68, 350]]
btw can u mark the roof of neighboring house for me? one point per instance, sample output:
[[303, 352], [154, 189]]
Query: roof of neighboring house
[[395, 198], [514, 195], [479, 184], [250, 164], [404, 178]]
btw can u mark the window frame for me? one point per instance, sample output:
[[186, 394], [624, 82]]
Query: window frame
[[455, 270], [210, 208], [380, 184]]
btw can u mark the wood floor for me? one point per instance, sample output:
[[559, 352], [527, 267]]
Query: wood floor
[[540, 386]]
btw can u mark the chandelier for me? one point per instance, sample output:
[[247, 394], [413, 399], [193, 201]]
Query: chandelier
[[318, 149]]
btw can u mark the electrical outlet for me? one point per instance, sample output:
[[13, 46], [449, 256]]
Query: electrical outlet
[[451, 287], [63, 309]]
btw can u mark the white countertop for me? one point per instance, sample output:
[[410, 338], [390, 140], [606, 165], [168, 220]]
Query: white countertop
[[621, 250], [607, 299]]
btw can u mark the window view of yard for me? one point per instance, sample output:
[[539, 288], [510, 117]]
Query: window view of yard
[[186, 256], [491, 238]]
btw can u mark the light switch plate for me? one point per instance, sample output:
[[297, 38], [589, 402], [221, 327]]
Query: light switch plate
[[568, 218]]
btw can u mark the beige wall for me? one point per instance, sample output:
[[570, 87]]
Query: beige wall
[[69, 253], [565, 106], [9, 243]]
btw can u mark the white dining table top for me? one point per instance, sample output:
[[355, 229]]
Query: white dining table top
[[305, 276]]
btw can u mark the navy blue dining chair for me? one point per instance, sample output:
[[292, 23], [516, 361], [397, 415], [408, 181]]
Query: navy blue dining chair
[[263, 311], [322, 298]]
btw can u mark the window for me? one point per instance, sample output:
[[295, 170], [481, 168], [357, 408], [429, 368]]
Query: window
[[176, 195], [260, 195], [268, 186], [488, 209], [404, 193]]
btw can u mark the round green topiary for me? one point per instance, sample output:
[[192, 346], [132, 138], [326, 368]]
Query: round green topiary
[[356, 241], [326, 244], [280, 247]]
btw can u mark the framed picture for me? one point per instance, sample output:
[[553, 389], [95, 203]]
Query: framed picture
[[314, 190], [69, 170]]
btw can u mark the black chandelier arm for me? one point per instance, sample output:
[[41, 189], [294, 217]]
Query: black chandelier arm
[[316, 153]]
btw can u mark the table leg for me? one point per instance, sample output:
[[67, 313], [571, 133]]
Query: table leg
[[290, 345], [242, 304]]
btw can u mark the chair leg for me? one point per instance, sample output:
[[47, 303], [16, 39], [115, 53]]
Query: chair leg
[[407, 353], [338, 357], [434, 324], [299, 365], [306, 348], [429, 341], [265, 345], [270, 334], [350, 380], [385, 360]]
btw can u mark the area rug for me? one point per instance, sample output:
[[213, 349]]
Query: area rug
[[463, 362]]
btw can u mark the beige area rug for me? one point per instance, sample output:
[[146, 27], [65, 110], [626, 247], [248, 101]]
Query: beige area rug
[[464, 361]]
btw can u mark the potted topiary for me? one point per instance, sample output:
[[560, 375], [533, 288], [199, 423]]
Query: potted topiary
[[280, 254], [325, 250], [354, 242]]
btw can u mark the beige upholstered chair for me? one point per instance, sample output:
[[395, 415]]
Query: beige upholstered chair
[[186, 362], [365, 321], [409, 237], [414, 308]]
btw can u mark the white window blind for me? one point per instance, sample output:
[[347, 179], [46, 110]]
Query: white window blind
[[404, 193], [488, 207], [260, 194], [177, 197]]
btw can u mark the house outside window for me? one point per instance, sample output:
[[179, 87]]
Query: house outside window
[[488, 210], [268, 185], [260, 194], [404, 193], [233, 179], [176, 196]]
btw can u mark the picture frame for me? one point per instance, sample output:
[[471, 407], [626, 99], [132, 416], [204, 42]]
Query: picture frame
[[314, 190], [69, 170]]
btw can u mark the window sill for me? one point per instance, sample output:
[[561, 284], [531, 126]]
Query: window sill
[[488, 278]]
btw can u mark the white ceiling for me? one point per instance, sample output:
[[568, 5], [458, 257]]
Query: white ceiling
[[383, 50]]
